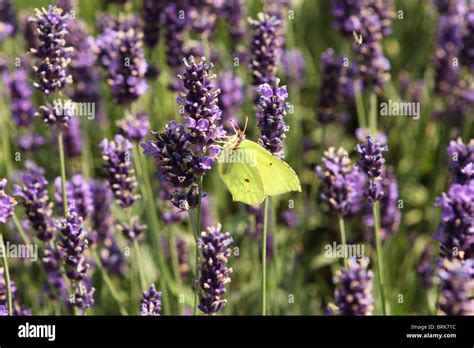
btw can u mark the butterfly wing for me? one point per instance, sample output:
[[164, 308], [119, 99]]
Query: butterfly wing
[[242, 179], [277, 176]]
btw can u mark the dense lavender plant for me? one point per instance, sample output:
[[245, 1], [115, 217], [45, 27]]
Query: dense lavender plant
[[456, 229], [78, 193], [457, 287], [341, 183], [22, 112], [271, 111], [116, 154], [33, 196], [214, 246], [7, 203], [52, 52], [461, 160], [370, 162], [135, 128], [353, 292], [231, 87], [151, 302], [336, 85], [263, 47]]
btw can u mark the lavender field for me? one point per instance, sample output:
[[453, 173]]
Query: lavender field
[[236, 157]]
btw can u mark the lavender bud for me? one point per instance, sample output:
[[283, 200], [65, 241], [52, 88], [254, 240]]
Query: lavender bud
[[7, 203], [151, 302], [135, 128]]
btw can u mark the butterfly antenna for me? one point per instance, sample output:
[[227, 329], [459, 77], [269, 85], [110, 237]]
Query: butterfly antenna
[[246, 123]]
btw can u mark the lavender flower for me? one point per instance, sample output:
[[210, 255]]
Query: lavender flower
[[133, 230], [151, 302], [116, 154], [233, 13], [263, 48], [200, 104], [17, 309], [33, 195], [151, 21], [203, 16], [53, 115], [214, 272], [123, 57], [78, 193], [231, 87], [22, 112], [8, 22], [135, 128], [290, 218], [370, 162], [175, 25], [271, 113], [7, 203], [336, 85], [73, 245], [389, 213], [83, 295], [292, 62], [52, 53], [456, 229], [341, 183], [354, 289], [30, 142], [467, 51], [373, 67], [461, 160], [178, 167], [457, 287], [52, 260]]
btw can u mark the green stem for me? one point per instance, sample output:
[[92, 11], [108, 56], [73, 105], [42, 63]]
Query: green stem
[[140, 265], [63, 169], [342, 230], [378, 246], [360, 108], [7, 276], [147, 194], [373, 114], [264, 255], [109, 283]]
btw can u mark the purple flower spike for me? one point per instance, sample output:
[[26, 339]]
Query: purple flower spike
[[133, 230], [200, 103], [461, 160], [214, 246], [456, 229], [263, 48], [233, 13], [116, 154], [73, 245], [341, 183], [8, 22], [7, 203], [271, 112], [354, 289], [467, 52], [231, 87], [54, 114], [135, 128], [371, 162], [151, 302], [151, 21], [33, 196], [457, 286], [177, 164], [22, 112], [52, 53], [78, 193], [175, 25]]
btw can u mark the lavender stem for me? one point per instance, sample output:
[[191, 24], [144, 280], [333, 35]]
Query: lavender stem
[[378, 247], [63, 169], [7, 276], [342, 230], [264, 255]]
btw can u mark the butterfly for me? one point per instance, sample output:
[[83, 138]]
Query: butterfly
[[251, 172]]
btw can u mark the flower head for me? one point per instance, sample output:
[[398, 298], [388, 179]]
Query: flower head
[[214, 246], [461, 160], [135, 128], [457, 287], [271, 112], [78, 194], [354, 289], [151, 302], [7, 203]]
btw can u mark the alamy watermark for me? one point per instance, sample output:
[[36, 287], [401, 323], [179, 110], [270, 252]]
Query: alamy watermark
[[238, 156], [403, 109], [74, 109], [335, 250], [19, 251]]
